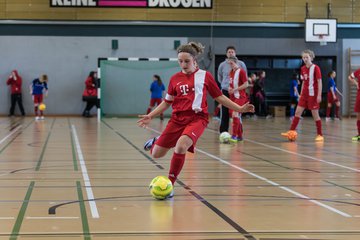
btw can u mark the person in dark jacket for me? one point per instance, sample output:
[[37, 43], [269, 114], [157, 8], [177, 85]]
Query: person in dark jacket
[[15, 82], [90, 93]]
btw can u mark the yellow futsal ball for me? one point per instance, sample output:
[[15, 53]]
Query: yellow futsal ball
[[161, 187], [42, 107]]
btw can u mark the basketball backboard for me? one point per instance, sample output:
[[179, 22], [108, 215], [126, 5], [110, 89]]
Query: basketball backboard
[[320, 30]]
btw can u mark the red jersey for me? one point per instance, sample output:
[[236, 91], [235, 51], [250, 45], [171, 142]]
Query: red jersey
[[356, 75], [187, 92], [90, 87], [15, 84], [238, 78], [309, 76]]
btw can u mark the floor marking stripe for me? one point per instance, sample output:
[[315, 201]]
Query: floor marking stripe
[[16, 229], [217, 211], [303, 155], [295, 153], [268, 181], [55, 218], [11, 133], [275, 184], [84, 218], [89, 192], [73, 148]]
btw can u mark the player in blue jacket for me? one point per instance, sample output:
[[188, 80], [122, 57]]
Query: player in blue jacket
[[157, 88], [37, 90]]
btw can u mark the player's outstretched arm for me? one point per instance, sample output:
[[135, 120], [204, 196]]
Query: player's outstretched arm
[[146, 119], [231, 105]]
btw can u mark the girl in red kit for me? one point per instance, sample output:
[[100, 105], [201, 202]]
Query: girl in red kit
[[238, 85], [354, 78], [15, 81], [310, 95], [187, 93]]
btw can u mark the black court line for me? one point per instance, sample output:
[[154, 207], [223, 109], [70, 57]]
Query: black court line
[[227, 219], [164, 234], [307, 133], [20, 131], [341, 186], [276, 164], [32, 168], [52, 210], [283, 140]]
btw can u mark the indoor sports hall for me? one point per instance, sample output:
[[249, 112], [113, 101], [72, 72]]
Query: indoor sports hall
[[77, 79]]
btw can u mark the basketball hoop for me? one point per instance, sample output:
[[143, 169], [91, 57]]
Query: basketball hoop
[[322, 40]]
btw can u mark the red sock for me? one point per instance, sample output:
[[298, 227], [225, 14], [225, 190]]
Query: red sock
[[358, 126], [318, 127], [148, 111], [294, 123], [328, 109], [337, 111], [235, 126], [176, 164], [41, 113], [240, 129], [36, 110], [216, 112]]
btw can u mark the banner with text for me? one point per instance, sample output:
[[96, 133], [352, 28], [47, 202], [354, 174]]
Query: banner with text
[[133, 3]]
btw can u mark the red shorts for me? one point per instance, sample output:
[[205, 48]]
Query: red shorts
[[309, 102], [330, 98], [239, 101], [174, 130], [357, 102], [38, 98], [154, 101]]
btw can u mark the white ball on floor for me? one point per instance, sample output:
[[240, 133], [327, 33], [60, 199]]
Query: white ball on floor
[[224, 137]]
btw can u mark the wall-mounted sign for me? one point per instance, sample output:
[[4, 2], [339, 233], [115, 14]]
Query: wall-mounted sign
[[133, 3]]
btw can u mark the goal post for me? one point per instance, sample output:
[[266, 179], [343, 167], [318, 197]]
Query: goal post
[[124, 84]]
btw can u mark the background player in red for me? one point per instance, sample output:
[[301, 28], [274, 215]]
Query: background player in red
[[223, 78], [332, 97], [156, 89], [15, 82], [237, 92], [310, 95], [36, 90], [187, 94], [90, 93], [354, 78]]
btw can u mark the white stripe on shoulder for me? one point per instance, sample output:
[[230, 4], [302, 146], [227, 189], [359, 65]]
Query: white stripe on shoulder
[[236, 83], [311, 80], [199, 80]]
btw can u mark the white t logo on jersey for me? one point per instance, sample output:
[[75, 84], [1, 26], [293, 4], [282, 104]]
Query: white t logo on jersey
[[184, 89]]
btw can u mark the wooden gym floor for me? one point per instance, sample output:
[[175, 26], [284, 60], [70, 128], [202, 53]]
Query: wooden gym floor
[[72, 178]]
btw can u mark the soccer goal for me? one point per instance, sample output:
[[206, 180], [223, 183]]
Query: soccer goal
[[124, 84]]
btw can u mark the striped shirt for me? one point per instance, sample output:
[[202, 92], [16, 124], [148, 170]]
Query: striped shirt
[[188, 92], [309, 76]]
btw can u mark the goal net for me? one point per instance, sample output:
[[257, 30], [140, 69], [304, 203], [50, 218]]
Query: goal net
[[125, 84]]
